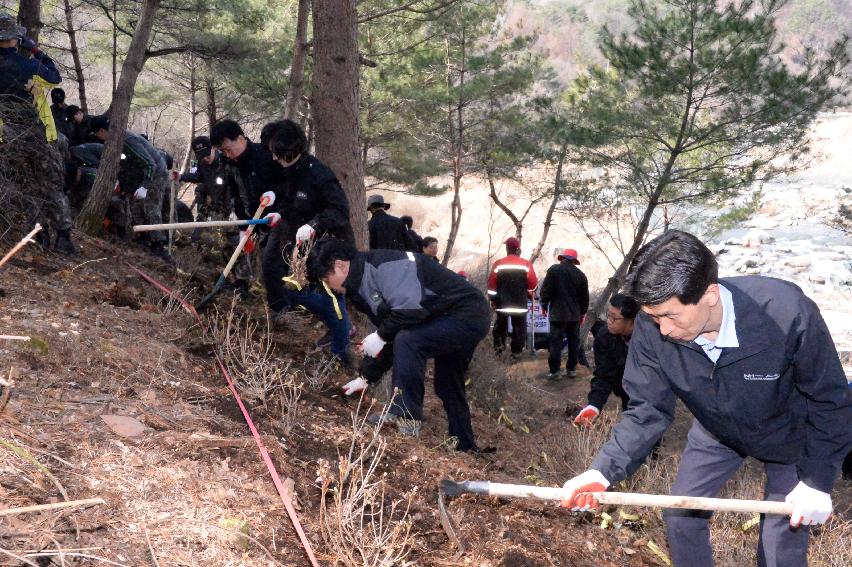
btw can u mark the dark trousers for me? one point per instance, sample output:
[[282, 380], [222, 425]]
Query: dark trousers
[[559, 331], [501, 331], [451, 342], [275, 267], [704, 468]]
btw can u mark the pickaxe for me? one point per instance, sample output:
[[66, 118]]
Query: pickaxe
[[449, 489], [266, 200]]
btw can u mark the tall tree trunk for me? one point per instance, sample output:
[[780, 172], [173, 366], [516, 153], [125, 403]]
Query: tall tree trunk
[[557, 194], [334, 108], [297, 67], [210, 92], [91, 217], [458, 149], [29, 16], [75, 55], [114, 48], [519, 226], [192, 113]]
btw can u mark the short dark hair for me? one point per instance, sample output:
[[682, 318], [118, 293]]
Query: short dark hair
[[57, 95], [428, 241], [71, 110], [323, 255], [100, 122], [407, 220], [626, 305], [225, 128], [268, 132], [676, 264], [289, 141]]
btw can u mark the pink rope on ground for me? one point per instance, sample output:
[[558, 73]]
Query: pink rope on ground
[[264, 453]]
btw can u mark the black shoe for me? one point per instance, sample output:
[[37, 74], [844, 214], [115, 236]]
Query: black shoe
[[476, 450], [42, 238], [63, 243], [571, 373], [158, 250], [552, 376], [242, 288]]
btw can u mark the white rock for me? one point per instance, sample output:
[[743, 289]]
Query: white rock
[[816, 278], [799, 262], [755, 238]]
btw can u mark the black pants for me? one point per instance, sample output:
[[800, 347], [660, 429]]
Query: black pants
[[559, 331], [451, 343], [275, 267], [501, 331]]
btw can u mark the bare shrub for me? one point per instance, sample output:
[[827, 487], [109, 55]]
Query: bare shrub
[[247, 349], [318, 369], [359, 523], [487, 380], [288, 393]]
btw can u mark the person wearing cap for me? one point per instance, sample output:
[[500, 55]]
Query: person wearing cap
[[565, 297], [58, 109], [26, 147], [213, 196], [142, 179], [511, 283], [387, 232], [754, 362]]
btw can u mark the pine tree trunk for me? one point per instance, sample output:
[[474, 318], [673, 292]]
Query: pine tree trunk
[[457, 142], [334, 108], [91, 217], [557, 193], [114, 48], [516, 222], [184, 167], [297, 67], [29, 16], [210, 92], [75, 55]]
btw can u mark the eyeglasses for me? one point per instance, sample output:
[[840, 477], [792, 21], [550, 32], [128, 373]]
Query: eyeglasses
[[613, 318]]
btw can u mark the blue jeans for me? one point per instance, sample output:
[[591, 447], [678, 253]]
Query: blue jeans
[[451, 342], [322, 304], [706, 465]]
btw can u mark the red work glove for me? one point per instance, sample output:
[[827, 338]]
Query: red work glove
[[274, 219], [249, 247], [587, 415], [579, 491], [175, 175]]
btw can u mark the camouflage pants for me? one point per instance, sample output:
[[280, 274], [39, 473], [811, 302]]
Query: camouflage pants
[[28, 158], [150, 209]]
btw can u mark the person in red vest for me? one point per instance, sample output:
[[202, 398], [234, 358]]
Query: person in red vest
[[510, 284]]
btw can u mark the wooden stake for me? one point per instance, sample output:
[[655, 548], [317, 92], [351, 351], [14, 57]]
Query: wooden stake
[[23, 242], [55, 506]]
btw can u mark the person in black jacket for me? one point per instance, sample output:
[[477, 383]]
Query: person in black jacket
[[425, 311], [611, 343], [314, 207], [565, 296], [415, 241], [387, 232], [753, 360], [58, 108]]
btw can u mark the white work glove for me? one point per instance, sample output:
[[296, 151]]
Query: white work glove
[[587, 415], [810, 506], [269, 196], [305, 233], [578, 492], [372, 345], [274, 219], [140, 194], [355, 386]]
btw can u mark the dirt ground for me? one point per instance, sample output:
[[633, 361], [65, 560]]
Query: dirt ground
[[190, 488]]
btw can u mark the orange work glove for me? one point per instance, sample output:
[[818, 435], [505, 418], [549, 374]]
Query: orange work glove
[[579, 491], [249, 247], [586, 416]]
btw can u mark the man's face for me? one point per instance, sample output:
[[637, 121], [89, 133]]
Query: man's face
[[284, 163], [684, 322], [338, 275], [233, 148], [78, 116], [101, 135], [431, 250], [618, 324]]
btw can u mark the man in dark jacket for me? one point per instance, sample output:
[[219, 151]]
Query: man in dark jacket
[[511, 283], [142, 179], [57, 109], [387, 232], [314, 207], [565, 296], [213, 197], [611, 343], [425, 311], [415, 241], [753, 360]]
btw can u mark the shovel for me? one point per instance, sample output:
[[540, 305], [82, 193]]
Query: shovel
[[449, 489], [265, 201]]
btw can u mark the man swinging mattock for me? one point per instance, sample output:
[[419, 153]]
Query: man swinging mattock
[[752, 359]]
